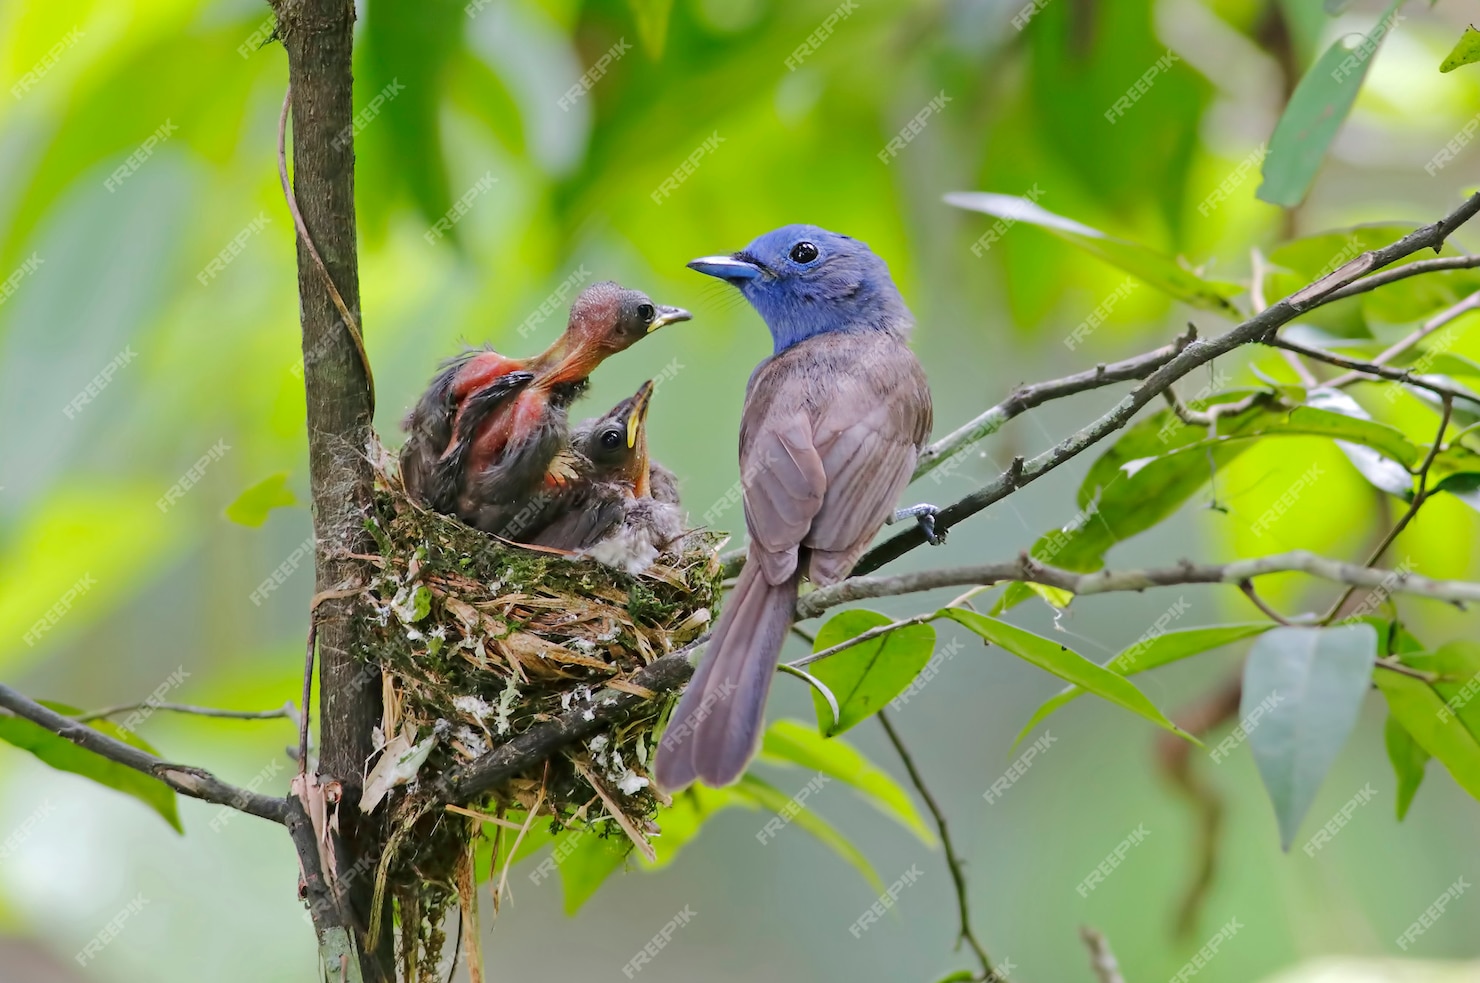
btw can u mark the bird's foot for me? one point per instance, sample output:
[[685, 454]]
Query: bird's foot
[[924, 514]]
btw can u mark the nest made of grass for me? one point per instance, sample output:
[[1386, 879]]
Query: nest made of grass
[[478, 639]]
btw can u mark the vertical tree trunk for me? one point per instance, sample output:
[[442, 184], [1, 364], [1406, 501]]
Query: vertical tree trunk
[[319, 35]]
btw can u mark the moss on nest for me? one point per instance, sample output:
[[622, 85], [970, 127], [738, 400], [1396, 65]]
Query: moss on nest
[[478, 640]]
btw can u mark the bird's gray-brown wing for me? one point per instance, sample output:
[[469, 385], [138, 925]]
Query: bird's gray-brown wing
[[829, 439]]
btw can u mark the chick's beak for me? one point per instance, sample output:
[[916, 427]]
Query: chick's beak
[[638, 413], [731, 268], [668, 315]]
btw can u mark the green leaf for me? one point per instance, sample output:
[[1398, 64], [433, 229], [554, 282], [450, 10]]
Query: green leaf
[[403, 57], [1408, 762], [1316, 110], [63, 755], [768, 796], [1158, 464], [652, 23], [251, 506], [1151, 651], [680, 823], [870, 674], [1433, 726], [1466, 51], [792, 742], [1310, 683], [588, 864], [1458, 666], [1140, 261], [1065, 663], [1381, 472]]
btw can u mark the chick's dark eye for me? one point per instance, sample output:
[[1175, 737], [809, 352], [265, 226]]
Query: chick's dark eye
[[803, 252], [646, 313], [610, 439]]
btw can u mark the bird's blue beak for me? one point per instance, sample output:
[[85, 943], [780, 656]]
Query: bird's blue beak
[[726, 268]]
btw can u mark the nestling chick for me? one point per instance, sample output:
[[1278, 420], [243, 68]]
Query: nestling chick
[[622, 508], [483, 436]]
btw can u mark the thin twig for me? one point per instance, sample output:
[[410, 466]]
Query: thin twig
[[1247, 587], [1403, 272], [953, 860], [287, 710], [1026, 397], [313, 636], [1359, 366], [1260, 326], [1101, 959], [1400, 346], [350, 323], [860, 638], [1420, 496], [185, 779]]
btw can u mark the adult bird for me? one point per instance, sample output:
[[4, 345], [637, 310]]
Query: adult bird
[[832, 424], [483, 436], [622, 507]]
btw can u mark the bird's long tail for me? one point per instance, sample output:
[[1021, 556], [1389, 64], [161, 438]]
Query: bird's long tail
[[714, 730]]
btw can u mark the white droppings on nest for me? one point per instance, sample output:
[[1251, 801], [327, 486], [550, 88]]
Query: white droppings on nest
[[632, 783], [472, 740], [589, 715], [473, 706], [583, 645], [413, 635], [565, 700], [439, 632], [599, 742]]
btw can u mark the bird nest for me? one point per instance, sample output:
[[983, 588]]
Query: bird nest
[[478, 640]]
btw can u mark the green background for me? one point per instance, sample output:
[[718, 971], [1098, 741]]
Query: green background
[[216, 361]]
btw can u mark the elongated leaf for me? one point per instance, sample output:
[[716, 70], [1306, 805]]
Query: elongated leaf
[[1433, 726], [1309, 682], [252, 506], [63, 755], [1140, 261], [792, 742], [1408, 762], [1316, 110], [870, 674], [1466, 51], [681, 822], [1157, 465], [770, 797], [652, 23], [1457, 665], [1065, 663], [1149, 653], [587, 865]]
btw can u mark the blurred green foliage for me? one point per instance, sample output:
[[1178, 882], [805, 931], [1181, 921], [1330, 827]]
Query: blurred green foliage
[[149, 317]]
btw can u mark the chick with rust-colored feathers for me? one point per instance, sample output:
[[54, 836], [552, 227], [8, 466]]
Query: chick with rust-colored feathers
[[484, 435]]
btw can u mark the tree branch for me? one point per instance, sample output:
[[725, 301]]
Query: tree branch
[[1027, 397], [518, 756], [1260, 326], [287, 711], [185, 779], [1025, 568], [319, 38]]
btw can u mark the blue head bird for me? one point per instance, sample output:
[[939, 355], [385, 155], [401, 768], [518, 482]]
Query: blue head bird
[[804, 281]]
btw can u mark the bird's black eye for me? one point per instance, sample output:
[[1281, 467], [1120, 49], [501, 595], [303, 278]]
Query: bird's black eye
[[611, 438], [646, 313], [803, 252]]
